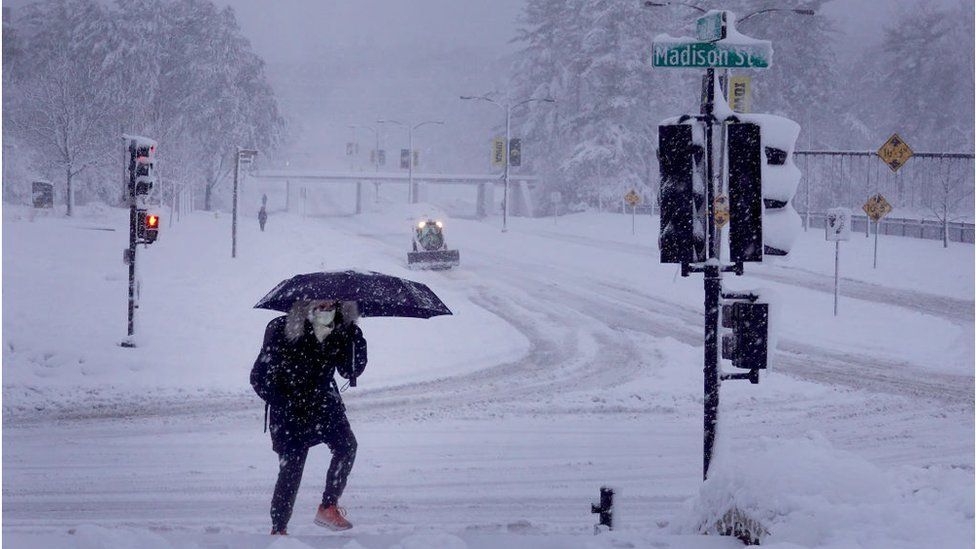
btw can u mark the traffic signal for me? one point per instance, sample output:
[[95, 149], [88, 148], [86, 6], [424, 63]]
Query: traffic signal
[[746, 345], [780, 178], [745, 192], [147, 226], [142, 161], [515, 152], [681, 238]]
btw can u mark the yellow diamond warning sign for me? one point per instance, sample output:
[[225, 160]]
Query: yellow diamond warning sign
[[632, 198], [721, 204], [876, 207], [895, 152]]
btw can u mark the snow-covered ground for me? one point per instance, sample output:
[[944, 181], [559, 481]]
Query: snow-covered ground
[[572, 360]]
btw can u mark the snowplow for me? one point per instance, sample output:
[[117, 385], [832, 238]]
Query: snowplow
[[429, 248]]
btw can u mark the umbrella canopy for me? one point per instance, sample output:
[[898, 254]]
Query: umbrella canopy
[[376, 294]]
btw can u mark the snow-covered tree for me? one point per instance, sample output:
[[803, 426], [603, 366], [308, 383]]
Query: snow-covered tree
[[180, 72]]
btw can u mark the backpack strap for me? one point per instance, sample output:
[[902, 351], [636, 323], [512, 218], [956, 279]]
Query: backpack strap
[[266, 406]]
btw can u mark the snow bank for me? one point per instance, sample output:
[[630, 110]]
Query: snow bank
[[806, 492]]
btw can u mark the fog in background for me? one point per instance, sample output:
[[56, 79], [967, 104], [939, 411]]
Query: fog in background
[[333, 64]]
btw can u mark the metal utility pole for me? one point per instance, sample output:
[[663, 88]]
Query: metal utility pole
[[412, 191], [246, 155], [233, 217], [507, 107]]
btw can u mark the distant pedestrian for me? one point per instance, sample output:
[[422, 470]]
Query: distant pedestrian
[[262, 217], [294, 375]]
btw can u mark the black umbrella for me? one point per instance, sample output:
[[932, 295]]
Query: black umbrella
[[376, 294]]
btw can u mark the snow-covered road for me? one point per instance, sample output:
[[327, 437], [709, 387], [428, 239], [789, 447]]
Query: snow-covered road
[[573, 362]]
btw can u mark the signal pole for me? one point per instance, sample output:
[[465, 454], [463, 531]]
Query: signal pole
[[246, 156], [141, 177]]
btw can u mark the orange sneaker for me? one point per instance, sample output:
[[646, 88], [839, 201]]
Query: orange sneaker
[[332, 517]]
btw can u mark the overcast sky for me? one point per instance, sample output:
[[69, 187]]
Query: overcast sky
[[347, 62], [339, 62]]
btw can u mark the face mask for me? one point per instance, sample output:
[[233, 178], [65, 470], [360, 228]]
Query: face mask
[[323, 318]]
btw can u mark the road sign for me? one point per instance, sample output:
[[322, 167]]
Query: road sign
[[382, 157], [740, 93], [876, 207], [404, 159], [632, 198], [711, 26], [721, 210], [838, 224], [687, 54], [895, 152], [416, 158], [498, 151]]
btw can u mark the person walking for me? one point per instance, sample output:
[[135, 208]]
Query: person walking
[[262, 217], [294, 375]]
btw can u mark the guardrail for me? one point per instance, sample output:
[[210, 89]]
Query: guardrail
[[929, 229]]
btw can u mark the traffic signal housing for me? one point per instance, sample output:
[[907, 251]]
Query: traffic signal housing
[[681, 238], [746, 345], [142, 161], [745, 192], [147, 227], [780, 179]]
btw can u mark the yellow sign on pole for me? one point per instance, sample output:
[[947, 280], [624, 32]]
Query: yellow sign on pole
[[876, 207], [895, 152], [740, 93], [721, 204], [498, 151], [632, 198]]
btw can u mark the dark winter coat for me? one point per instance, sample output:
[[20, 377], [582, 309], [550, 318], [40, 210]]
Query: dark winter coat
[[296, 379]]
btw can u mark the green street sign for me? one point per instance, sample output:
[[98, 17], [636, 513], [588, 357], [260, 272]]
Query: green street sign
[[687, 54], [711, 26]]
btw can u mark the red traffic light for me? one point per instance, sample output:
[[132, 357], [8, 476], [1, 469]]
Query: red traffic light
[[152, 221]]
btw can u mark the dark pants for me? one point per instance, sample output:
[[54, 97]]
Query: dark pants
[[291, 463], [261, 222]]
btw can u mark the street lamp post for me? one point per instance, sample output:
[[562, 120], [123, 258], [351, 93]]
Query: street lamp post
[[507, 107], [411, 192]]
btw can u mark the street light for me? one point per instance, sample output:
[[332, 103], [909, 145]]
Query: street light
[[649, 4], [767, 10], [411, 192], [507, 107]]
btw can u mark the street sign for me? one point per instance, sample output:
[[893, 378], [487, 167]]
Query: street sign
[[382, 157], [740, 93], [711, 26], [416, 158], [895, 152], [632, 198], [876, 207], [687, 54], [498, 151], [838, 224], [404, 159], [721, 210]]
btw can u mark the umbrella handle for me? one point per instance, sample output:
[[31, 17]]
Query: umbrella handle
[[352, 381]]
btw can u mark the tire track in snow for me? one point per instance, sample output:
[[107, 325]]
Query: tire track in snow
[[949, 308]]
